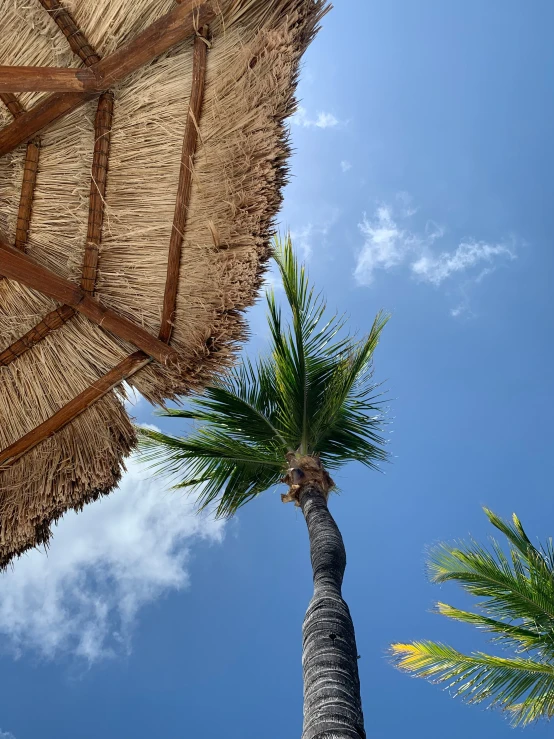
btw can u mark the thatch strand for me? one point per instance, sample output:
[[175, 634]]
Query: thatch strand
[[239, 170]]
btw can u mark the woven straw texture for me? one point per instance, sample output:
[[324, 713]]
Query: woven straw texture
[[239, 170]]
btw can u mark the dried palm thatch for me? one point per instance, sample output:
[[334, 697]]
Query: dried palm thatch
[[153, 203]]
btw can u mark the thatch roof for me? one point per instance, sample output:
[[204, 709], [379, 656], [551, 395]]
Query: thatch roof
[[67, 344]]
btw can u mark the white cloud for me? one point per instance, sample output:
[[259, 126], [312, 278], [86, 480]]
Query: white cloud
[[149, 426], [389, 243], [322, 120], [302, 241], [436, 269], [272, 281], [406, 204], [6, 735], [132, 400], [104, 564], [345, 165], [303, 238], [386, 244]]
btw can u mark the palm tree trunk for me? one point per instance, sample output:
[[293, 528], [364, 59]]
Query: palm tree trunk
[[332, 701]]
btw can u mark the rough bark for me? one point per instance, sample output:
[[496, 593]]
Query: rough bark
[[332, 701]]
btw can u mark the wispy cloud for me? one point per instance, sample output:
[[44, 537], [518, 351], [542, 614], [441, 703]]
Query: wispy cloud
[[302, 240], [436, 269], [386, 244], [389, 243], [321, 120], [104, 564], [6, 735], [304, 237], [345, 165]]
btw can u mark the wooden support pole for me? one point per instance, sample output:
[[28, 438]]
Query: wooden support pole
[[28, 184], [27, 195], [125, 369], [52, 321], [47, 79], [18, 266], [184, 189], [75, 37], [29, 123], [170, 29], [102, 136], [12, 104]]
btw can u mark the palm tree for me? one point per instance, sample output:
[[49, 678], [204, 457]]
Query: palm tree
[[516, 594], [305, 409]]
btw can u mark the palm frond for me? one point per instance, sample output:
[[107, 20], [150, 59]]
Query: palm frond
[[512, 635], [514, 532], [324, 375], [510, 590], [222, 469], [516, 592], [313, 394], [508, 683]]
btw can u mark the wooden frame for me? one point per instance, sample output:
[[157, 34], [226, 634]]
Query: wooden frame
[[125, 369], [20, 267], [48, 79], [102, 136], [170, 29], [51, 321], [76, 87], [184, 188]]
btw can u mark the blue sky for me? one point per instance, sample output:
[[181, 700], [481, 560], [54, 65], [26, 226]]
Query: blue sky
[[422, 183]]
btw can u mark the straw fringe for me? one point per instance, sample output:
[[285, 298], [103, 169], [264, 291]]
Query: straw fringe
[[239, 170]]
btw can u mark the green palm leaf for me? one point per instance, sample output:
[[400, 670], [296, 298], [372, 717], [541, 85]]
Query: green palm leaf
[[516, 597], [513, 684], [313, 393]]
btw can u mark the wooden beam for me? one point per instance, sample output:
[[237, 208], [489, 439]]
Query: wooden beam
[[125, 369], [75, 37], [12, 104], [47, 79], [184, 189], [18, 266], [102, 136], [52, 321], [27, 195], [49, 110], [170, 29]]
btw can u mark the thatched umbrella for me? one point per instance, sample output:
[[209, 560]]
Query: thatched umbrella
[[141, 162]]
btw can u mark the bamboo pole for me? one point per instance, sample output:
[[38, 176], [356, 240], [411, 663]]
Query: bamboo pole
[[125, 369], [190, 141], [12, 104], [75, 37], [102, 136], [27, 195], [52, 321]]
